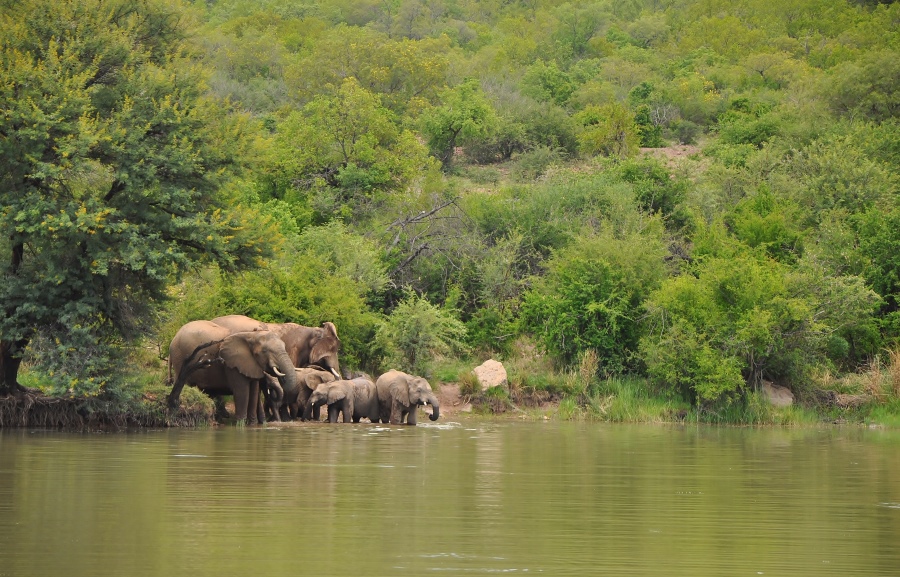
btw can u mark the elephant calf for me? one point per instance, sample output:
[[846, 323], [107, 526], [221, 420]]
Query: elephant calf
[[355, 399], [399, 394]]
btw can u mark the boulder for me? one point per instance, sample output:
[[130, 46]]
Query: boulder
[[491, 373], [777, 395]]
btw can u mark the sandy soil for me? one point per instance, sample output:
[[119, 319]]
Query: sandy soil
[[672, 154], [452, 402]]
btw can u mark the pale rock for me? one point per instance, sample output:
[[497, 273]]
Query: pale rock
[[491, 373], [777, 395]]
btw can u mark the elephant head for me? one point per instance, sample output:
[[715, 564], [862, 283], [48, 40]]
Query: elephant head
[[417, 391], [311, 345], [325, 345], [256, 354]]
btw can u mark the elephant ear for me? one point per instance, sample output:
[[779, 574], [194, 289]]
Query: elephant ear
[[326, 344], [237, 355], [336, 394], [317, 378], [400, 391]]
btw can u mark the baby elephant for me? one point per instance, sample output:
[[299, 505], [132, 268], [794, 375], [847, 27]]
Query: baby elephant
[[399, 394], [354, 399]]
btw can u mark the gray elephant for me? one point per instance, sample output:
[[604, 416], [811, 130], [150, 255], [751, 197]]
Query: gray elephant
[[292, 404], [219, 362], [337, 395], [305, 345], [308, 379], [399, 394], [355, 399]]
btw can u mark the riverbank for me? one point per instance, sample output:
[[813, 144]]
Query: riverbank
[[33, 409], [869, 398]]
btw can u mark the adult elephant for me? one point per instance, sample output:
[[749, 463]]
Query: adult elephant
[[221, 362], [399, 394], [354, 399], [305, 345]]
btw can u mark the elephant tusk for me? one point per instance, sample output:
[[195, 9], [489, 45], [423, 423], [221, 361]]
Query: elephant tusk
[[276, 371], [336, 374]]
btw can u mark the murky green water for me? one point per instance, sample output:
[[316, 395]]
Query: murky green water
[[464, 498]]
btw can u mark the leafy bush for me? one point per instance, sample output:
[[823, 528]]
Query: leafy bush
[[532, 164], [740, 316], [415, 331], [591, 297], [609, 130]]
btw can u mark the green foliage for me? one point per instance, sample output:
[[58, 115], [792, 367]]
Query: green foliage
[[766, 222], [465, 115], [118, 175], [535, 162], [609, 130], [740, 316], [346, 254], [415, 332], [111, 160], [880, 245], [408, 74], [545, 82], [591, 297], [867, 87], [655, 188], [343, 153]]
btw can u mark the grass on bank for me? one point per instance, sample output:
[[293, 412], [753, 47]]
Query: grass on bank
[[870, 396], [141, 402]]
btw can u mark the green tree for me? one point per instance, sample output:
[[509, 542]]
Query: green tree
[[740, 316], [591, 298], [609, 130], [415, 331], [344, 151], [407, 74], [465, 113], [111, 162]]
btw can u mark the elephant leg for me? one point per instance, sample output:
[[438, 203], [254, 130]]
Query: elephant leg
[[244, 403], [347, 409], [221, 410], [333, 411], [316, 413], [241, 400], [397, 413], [255, 413], [411, 416]]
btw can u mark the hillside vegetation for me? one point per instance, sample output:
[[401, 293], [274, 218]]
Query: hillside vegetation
[[670, 201]]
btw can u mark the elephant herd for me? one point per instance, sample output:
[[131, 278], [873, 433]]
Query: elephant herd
[[287, 371]]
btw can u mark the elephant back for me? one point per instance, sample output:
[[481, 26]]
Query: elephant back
[[240, 323]]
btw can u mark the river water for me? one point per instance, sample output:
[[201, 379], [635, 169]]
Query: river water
[[455, 498]]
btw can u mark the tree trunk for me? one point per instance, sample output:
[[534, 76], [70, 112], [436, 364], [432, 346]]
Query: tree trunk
[[11, 351], [10, 359]]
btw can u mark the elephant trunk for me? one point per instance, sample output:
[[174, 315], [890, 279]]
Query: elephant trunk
[[287, 376], [309, 407], [435, 409]]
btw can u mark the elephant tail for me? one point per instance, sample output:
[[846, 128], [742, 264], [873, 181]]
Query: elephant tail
[[187, 369]]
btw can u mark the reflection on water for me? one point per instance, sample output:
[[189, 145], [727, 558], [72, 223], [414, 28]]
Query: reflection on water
[[472, 497]]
